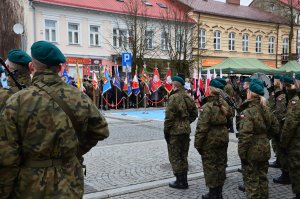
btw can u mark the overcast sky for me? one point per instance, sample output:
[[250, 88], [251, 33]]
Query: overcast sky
[[243, 2]]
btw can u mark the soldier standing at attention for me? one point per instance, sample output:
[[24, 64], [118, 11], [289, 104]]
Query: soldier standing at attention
[[46, 129], [290, 136], [17, 62], [211, 139], [181, 111], [257, 126]]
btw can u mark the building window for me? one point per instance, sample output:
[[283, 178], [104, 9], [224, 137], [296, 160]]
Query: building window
[[231, 41], [245, 43], [217, 40], [285, 47], [202, 39], [73, 33], [271, 45], [179, 42], [120, 38], [149, 39], [164, 40], [258, 44], [50, 30], [298, 43], [95, 35]]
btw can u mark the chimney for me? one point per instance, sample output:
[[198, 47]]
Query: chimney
[[235, 2]]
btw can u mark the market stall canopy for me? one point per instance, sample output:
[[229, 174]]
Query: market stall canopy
[[243, 66], [290, 67]]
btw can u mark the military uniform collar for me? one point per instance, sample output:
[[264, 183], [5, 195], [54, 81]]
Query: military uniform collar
[[21, 78], [46, 76], [249, 103]]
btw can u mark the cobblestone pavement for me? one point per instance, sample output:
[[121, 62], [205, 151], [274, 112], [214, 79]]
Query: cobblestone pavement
[[197, 188], [136, 154]]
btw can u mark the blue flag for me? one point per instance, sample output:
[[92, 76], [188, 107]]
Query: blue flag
[[129, 90], [106, 82], [116, 80], [65, 77]]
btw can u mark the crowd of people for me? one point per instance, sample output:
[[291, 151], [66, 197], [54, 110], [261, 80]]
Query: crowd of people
[[47, 126]]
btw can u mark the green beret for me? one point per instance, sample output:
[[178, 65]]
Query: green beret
[[1, 69], [247, 79], [288, 80], [221, 80], [257, 86], [18, 56], [215, 83], [47, 53], [297, 77], [178, 79], [278, 76]]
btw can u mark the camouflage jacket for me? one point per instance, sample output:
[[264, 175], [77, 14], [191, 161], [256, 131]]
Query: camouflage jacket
[[5, 93], [290, 137], [35, 129], [280, 106], [211, 130], [180, 112], [257, 126]]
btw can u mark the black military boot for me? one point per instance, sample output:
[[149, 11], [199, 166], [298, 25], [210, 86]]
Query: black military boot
[[212, 194], [179, 182], [275, 164], [284, 178], [220, 192], [185, 180], [242, 187]]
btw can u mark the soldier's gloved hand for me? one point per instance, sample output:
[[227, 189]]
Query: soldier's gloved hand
[[167, 138]]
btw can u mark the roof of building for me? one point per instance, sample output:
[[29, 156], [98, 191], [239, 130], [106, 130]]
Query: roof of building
[[296, 3], [235, 11], [157, 9]]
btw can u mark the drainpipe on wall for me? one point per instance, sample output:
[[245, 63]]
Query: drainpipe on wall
[[34, 20], [277, 39]]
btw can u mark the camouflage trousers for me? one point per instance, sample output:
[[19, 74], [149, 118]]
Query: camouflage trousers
[[214, 166], [178, 150], [294, 171], [283, 159], [255, 180]]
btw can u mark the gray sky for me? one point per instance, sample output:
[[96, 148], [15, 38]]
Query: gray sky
[[243, 2]]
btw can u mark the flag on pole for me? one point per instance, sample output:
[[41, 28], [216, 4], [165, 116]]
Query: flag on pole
[[116, 80], [106, 81], [135, 84], [156, 82], [168, 81], [145, 77], [78, 78], [199, 87], [65, 76], [221, 74], [127, 86], [195, 79], [207, 82], [95, 80], [215, 74]]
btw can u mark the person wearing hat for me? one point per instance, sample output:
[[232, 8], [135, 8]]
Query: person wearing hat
[[211, 139], [45, 130], [181, 111], [17, 62], [246, 83], [257, 125], [290, 137]]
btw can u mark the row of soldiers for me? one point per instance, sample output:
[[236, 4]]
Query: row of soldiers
[[46, 128], [257, 125]]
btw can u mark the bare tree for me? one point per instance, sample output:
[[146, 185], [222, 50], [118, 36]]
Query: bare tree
[[11, 13]]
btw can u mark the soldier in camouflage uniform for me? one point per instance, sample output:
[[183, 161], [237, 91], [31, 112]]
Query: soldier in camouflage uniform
[[290, 136], [181, 111], [1, 71], [211, 139], [257, 126], [40, 148], [17, 62]]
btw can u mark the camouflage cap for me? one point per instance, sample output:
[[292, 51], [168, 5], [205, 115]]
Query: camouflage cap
[[215, 83], [18, 56], [288, 80], [178, 79], [47, 53], [297, 77], [221, 80], [257, 86]]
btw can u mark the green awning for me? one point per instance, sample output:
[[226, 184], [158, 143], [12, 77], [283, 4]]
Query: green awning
[[243, 66], [290, 67]]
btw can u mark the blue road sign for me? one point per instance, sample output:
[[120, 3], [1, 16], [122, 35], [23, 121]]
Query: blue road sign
[[126, 61]]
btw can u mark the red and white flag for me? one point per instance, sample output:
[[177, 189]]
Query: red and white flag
[[135, 81], [215, 74], [195, 80], [207, 82], [95, 80], [168, 81], [156, 82]]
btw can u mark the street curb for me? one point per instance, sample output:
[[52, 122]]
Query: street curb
[[146, 186]]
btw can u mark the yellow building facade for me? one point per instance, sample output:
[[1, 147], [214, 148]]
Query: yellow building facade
[[221, 37]]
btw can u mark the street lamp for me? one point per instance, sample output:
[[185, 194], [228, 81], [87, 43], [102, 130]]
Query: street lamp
[[19, 30]]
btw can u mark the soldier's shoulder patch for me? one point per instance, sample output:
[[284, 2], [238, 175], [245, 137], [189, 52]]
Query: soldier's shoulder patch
[[280, 98], [242, 116], [201, 110], [293, 102]]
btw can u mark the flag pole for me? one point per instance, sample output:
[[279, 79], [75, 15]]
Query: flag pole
[[116, 98], [106, 96]]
